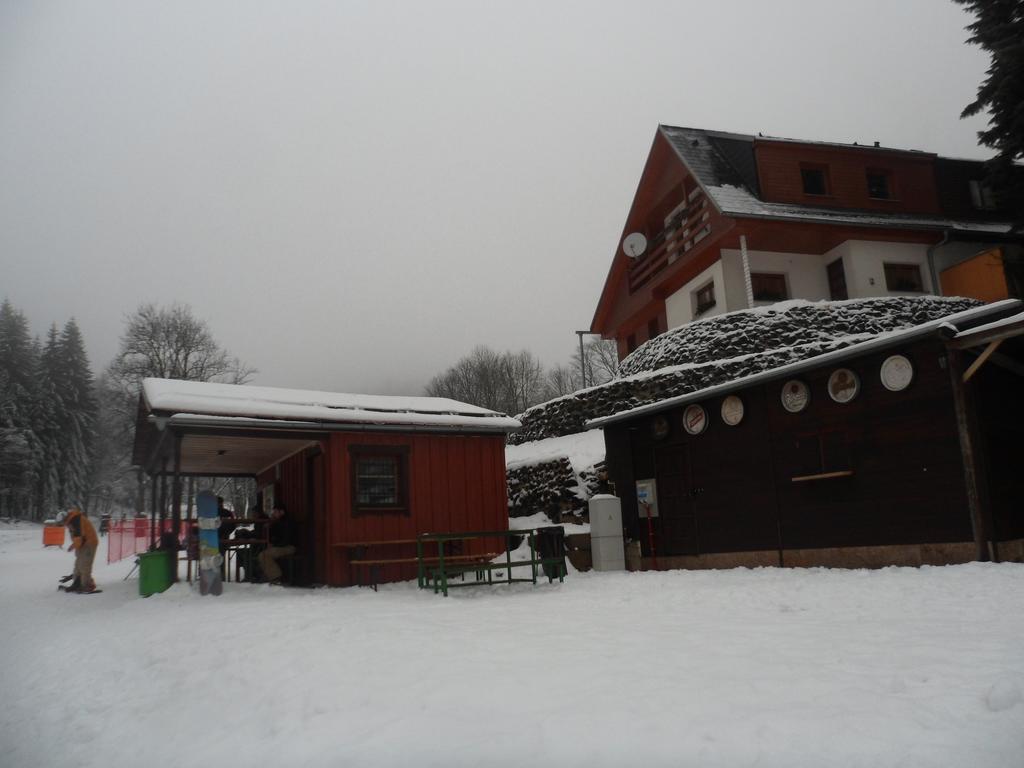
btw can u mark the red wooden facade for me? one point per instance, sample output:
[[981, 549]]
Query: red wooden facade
[[632, 307], [455, 482]]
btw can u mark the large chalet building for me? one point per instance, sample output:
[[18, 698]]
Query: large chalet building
[[725, 221]]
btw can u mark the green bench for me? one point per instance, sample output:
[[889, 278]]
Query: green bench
[[439, 576]]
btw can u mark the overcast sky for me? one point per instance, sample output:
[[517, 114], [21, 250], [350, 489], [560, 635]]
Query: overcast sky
[[354, 194]]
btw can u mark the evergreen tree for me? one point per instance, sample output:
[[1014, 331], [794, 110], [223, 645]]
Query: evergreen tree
[[18, 443], [46, 420], [999, 30], [78, 415]]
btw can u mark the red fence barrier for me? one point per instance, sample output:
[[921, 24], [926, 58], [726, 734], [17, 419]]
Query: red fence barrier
[[132, 535]]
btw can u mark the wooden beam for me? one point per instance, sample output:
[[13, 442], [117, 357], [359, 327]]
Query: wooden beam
[[176, 501], [966, 339], [992, 347], [968, 456]]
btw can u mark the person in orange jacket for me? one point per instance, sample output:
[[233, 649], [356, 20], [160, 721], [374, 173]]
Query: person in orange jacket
[[84, 542]]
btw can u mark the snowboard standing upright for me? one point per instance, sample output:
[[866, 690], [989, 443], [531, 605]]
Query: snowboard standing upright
[[209, 545]]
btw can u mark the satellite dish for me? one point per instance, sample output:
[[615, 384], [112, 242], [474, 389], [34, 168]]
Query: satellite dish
[[634, 245]]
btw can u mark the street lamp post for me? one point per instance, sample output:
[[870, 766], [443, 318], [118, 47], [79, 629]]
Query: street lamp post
[[583, 364]]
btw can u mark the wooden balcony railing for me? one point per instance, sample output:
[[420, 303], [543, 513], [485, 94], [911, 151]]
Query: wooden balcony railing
[[681, 234]]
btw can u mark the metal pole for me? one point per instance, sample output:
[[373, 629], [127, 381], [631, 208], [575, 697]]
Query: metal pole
[[583, 367]]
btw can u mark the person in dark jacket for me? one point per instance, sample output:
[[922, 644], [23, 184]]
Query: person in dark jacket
[[84, 542], [280, 543]]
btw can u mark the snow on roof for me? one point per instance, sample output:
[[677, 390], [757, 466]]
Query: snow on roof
[[995, 325], [728, 350], [861, 345], [734, 191], [739, 201], [210, 402], [582, 449]]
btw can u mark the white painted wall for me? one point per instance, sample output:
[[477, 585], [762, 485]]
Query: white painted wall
[[864, 260], [806, 276], [680, 306], [805, 273]]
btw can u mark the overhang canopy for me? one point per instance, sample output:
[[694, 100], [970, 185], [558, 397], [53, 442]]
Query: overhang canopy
[[231, 429]]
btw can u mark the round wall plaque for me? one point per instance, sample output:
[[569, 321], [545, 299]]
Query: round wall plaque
[[897, 373], [843, 385], [795, 396], [732, 410], [695, 419]]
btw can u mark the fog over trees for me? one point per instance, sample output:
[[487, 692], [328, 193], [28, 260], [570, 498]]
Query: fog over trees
[[66, 436], [511, 382]]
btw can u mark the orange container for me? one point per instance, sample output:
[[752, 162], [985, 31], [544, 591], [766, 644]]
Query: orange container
[[53, 535]]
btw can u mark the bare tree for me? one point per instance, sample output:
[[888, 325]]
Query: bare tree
[[508, 382], [162, 342], [561, 380]]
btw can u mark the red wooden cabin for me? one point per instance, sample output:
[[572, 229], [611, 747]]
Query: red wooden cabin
[[349, 468]]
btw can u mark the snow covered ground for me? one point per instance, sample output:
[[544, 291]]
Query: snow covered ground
[[767, 667]]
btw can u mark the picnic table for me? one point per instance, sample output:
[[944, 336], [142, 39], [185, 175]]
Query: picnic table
[[552, 561], [366, 558]]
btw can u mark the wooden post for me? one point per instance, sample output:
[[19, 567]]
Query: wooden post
[[163, 492], [968, 456], [176, 501], [152, 512]]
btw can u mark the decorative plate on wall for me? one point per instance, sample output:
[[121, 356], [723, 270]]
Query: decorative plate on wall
[[732, 410], [795, 396], [897, 373], [695, 419], [843, 385]]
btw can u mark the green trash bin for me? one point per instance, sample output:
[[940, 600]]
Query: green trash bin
[[154, 572]]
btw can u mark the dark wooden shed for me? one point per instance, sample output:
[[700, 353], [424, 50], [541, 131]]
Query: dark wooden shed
[[902, 449], [350, 468]]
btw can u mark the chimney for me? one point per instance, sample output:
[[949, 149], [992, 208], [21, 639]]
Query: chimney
[[877, 144]]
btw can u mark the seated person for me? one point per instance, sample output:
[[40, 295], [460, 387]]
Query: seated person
[[252, 537], [280, 543]]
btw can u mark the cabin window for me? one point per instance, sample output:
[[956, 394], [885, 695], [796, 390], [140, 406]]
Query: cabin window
[[815, 179], [380, 479], [704, 298], [769, 287], [879, 184], [903, 278], [837, 281]]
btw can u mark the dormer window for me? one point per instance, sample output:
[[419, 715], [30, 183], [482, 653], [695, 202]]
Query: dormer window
[[815, 179], [879, 184], [981, 195]]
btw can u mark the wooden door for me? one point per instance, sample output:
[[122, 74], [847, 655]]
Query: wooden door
[[678, 519]]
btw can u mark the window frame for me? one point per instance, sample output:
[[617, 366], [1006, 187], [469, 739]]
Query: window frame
[[884, 173], [982, 196], [699, 308], [895, 265], [400, 455], [786, 293], [826, 182]]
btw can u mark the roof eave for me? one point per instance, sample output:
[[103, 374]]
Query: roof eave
[[933, 328]]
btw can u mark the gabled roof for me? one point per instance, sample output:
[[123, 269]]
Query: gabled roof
[[190, 402], [723, 164]]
